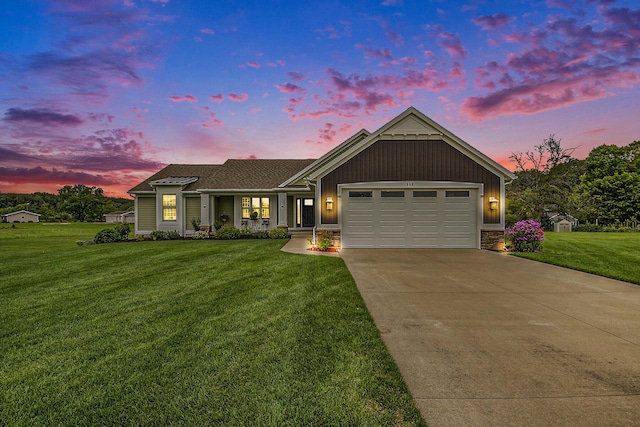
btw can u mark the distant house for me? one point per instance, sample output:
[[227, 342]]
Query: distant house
[[127, 217], [410, 184], [562, 222], [21, 216]]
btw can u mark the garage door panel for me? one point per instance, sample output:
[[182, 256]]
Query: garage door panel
[[393, 230], [424, 218]]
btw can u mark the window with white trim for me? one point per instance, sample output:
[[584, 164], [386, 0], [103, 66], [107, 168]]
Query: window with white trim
[[259, 205], [169, 207]]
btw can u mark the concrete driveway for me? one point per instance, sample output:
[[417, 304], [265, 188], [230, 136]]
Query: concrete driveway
[[483, 338]]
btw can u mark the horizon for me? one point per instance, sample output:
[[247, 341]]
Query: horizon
[[106, 94]]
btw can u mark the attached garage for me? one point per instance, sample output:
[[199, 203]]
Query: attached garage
[[410, 216]]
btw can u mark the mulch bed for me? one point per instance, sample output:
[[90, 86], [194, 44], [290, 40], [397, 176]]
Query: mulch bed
[[328, 250]]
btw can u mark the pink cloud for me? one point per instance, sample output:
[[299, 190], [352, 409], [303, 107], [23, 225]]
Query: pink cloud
[[295, 76], [216, 98], [394, 37], [494, 22], [41, 116], [207, 31], [253, 64], [452, 45], [212, 122], [289, 88], [595, 131], [40, 175], [188, 98], [238, 97], [529, 98], [332, 32], [328, 133], [563, 63], [376, 53]]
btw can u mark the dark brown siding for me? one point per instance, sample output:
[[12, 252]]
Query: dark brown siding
[[411, 161]]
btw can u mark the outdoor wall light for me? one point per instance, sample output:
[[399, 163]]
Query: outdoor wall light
[[493, 203], [329, 203]]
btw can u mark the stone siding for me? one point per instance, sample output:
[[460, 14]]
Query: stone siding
[[492, 240]]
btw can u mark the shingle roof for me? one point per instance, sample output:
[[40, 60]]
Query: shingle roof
[[177, 170], [250, 174], [175, 180]]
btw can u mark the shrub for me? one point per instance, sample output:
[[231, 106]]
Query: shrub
[[200, 235], [588, 227], [217, 225], [123, 230], [323, 239], [261, 234], [227, 232], [164, 235], [525, 236], [195, 224], [279, 233], [245, 231], [107, 236]]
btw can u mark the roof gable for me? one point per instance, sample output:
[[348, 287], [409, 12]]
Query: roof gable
[[411, 124]]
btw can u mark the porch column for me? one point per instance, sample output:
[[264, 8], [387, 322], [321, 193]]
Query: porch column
[[282, 210], [205, 209]]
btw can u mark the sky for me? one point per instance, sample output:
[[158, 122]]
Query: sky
[[107, 92]]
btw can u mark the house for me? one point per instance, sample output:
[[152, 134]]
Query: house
[[410, 183], [125, 217], [21, 216]]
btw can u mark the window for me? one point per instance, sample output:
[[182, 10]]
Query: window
[[458, 193], [392, 193], [353, 194], [425, 193], [259, 205], [169, 211]]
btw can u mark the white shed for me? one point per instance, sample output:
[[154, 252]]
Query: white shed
[[562, 226]]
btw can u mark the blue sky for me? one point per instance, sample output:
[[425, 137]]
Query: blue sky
[[106, 92]]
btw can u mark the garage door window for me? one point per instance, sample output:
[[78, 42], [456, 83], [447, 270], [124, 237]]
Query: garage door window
[[423, 193], [355, 194], [392, 194], [457, 193]]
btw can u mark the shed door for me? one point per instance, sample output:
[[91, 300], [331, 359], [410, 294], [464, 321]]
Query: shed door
[[409, 218]]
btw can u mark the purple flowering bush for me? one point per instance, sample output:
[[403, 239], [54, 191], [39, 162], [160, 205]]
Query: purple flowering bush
[[525, 236]]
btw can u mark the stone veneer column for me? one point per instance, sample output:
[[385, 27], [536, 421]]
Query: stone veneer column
[[492, 240]]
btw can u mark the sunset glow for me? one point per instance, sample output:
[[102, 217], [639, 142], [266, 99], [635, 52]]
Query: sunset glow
[[106, 92]]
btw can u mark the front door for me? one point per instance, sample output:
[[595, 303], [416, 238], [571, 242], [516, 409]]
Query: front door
[[308, 213]]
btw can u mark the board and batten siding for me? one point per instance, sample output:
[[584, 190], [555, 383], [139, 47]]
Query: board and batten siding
[[411, 160], [146, 213], [192, 207]]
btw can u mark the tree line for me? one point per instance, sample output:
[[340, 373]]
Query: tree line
[[602, 189], [71, 203]]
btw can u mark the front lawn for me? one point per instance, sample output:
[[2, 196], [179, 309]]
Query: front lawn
[[615, 255], [233, 333]]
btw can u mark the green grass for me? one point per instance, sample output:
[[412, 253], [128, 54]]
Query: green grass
[[614, 255], [186, 332]]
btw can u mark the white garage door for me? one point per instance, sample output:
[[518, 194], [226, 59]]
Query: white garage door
[[409, 218]]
